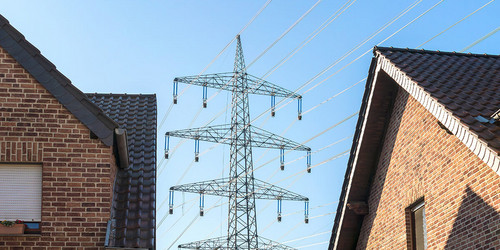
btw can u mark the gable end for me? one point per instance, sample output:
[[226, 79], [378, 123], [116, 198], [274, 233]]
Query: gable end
[[56, 83], [438, 110]]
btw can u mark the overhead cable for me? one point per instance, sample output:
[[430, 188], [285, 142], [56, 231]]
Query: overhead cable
[[283, 34], [307, 237], [453, 25], [216, 57], [368, 51], [315, 244], [217, 205], [481, 39], [345, 55]]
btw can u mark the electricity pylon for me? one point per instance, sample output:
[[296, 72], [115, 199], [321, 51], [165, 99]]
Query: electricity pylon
[[241, 187]]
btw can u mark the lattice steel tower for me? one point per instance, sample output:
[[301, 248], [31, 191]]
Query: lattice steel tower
[[240, 187]]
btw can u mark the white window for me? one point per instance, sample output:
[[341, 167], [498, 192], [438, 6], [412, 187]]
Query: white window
[[20, 192]]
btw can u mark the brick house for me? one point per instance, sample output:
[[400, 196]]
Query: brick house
[[79, 169], [424, 169]]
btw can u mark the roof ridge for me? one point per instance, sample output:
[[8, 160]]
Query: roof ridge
[[422, 51]]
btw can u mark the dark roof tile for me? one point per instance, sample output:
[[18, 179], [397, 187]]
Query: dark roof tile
[[468, 85], [135, 188]]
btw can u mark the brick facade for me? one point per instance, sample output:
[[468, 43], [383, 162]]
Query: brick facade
[[420, 159], [77, 171]]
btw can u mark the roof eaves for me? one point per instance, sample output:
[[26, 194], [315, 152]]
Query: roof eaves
[[358, 137], [452, 123], [56, 83]]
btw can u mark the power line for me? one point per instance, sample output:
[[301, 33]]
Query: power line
[[368, 51], [265, 51], [344, 153], [184, 231], [345, 55], [307, 237], [284, 33], [298, 224], [330, 98], [242, 230], [321, 163], [316, 32], [308, 140], [166, 215], [216, 57], [391, 36], [312, 208], [481, 39], [315, 244], [159, 225], [274, 43], [311, 36], [291, 124], [409, 8], [317, 216], [321, 149], [453, 25], [298, 48]]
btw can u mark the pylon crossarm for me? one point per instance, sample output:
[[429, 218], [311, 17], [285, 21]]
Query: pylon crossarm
[[269, 244], [225, 81], [222, 134], [210, 244], [262, 87], [221, 244], [217, 134], [218, 81], [218, 187], [267, 191], [264, 139]]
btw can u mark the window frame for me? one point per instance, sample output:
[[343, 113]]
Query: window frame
[[411, 231]]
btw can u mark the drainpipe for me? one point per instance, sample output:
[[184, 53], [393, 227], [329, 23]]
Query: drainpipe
[[122, 152], [122, 147]]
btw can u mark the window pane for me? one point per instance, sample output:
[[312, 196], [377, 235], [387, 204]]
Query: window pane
[[420, 231]]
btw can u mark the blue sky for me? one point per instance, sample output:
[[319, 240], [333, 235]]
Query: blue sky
[[140, 46]]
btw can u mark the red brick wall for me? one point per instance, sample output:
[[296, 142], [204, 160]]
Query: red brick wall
[[77, 170], [419, 159]]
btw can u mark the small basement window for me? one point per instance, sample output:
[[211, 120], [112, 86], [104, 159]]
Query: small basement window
[[416, 230]]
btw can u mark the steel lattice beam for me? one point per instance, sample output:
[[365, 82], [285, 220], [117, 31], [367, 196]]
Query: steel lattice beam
[[221, 243], [222, 134], [225, 81], [220, 187]]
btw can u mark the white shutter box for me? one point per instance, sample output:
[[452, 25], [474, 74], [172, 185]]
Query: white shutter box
[[20, 192]]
